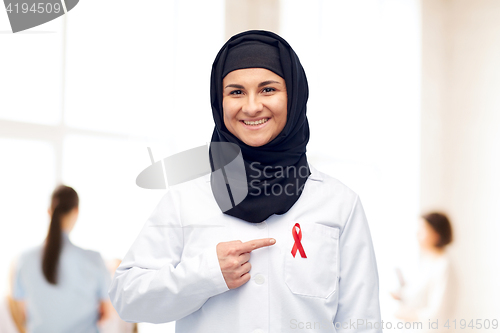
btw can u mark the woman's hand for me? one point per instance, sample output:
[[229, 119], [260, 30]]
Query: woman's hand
[[18, 313], [106, 311], [396, 295], [233, 259]]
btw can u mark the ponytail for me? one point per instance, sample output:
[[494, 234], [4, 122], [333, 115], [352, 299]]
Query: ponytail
[[64, 199]]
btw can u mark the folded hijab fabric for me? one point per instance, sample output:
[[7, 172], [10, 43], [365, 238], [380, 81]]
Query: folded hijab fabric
[[277, 171], [253, 54]]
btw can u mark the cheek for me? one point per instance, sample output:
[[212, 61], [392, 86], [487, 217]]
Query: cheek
[[434, 238], [228, 109], [280, 111], [422, 233]]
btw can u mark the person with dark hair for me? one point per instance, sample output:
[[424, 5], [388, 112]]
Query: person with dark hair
[[439, 235], [61, 287], [428, 295], [295, 253]]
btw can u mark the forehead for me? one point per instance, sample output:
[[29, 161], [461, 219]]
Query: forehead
[[251, 74]]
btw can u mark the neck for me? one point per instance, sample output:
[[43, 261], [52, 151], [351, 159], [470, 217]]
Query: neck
[[68, 221], [432, 251]]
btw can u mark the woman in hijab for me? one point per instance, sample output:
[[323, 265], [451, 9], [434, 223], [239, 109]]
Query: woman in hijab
[[295, 253]]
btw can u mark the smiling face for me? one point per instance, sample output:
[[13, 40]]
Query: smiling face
[[254, 104]]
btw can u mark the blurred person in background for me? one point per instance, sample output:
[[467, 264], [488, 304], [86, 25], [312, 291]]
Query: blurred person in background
[[59, 286], [427, 295]]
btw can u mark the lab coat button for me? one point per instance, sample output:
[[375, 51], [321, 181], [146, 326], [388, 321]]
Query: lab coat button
[[259, 279]]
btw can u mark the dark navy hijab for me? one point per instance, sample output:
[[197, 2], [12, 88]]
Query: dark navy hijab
[[284, 157]]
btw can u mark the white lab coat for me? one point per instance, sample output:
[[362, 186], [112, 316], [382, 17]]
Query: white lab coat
[[172, 272]]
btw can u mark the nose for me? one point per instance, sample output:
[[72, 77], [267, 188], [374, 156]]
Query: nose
[[252, 105]]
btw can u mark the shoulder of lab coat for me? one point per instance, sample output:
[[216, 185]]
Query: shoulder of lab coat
[[153, 284]]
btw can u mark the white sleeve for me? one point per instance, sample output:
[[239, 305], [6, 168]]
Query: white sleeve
[[154, 283], [358, 279], [436, 295], [435, 291]]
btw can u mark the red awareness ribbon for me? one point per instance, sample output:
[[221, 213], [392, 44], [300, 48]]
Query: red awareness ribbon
[[298, 244]]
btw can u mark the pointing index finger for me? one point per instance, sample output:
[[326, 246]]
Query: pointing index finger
[[256, 244]]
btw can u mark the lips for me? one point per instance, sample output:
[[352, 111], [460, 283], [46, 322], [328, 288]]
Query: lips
[[255, 122], [255, 126]]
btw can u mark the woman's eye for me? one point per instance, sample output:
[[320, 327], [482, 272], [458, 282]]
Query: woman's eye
[[269, 89], [235, 92]]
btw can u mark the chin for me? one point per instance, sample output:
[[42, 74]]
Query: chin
[[256, 143], [253, 144]]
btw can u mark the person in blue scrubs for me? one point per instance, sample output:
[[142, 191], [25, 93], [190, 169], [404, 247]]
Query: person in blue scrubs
[[62, 288]]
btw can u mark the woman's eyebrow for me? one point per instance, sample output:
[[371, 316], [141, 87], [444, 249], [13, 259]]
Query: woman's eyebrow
[[239, 86], [265, 83]]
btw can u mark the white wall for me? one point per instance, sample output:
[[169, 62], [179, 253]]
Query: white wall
[[461, 141]]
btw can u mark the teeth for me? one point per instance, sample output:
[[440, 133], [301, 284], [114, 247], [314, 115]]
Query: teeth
[[255, 122]]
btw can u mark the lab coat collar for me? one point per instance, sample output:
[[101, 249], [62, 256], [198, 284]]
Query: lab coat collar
[[315, 174]]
